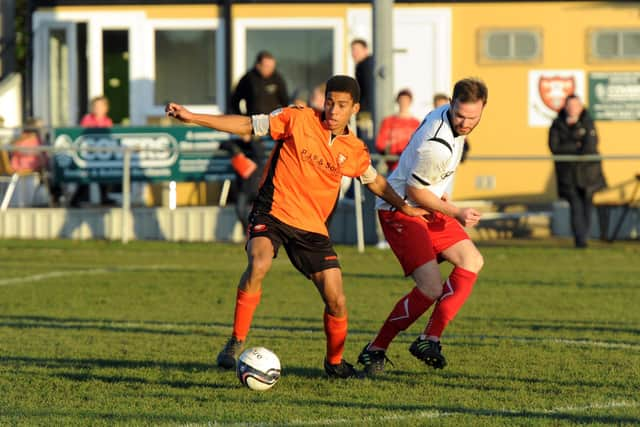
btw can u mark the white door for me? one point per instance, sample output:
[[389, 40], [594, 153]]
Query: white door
[[421, 51], [55, 73]]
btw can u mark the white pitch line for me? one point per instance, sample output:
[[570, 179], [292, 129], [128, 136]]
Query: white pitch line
[[422, 415], [440, 414], [608, 405], [452, 338], [64, 273], [577, 342], [49, 275]]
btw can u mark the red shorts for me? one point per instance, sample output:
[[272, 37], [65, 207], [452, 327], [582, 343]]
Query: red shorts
[[416, 241]]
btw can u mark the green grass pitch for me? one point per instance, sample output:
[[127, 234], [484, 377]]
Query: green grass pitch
[[97, 333]]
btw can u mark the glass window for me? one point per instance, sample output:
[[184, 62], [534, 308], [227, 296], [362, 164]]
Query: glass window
[[511, 45], [631, 44], [498, 45], [194, 84], [304, 57], [616, 44], [607, 45], [525, 45]]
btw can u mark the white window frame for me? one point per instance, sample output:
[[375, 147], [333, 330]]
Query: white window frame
[[133, 22], [141, 56], [241, 25], [619, 56], [485, 33], [40, 80], [217, 25]]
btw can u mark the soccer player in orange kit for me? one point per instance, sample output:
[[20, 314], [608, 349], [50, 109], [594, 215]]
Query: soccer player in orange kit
[[298, 193]]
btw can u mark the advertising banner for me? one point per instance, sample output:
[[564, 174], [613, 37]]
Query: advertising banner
[[614, 96], [161, 154]]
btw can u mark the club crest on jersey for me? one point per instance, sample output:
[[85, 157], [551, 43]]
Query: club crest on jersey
[[341, 159]]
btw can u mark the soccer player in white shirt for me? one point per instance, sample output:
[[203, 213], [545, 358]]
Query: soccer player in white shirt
[[425, 170]]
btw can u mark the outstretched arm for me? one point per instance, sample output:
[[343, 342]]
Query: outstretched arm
[[240, 125], [380, 187]]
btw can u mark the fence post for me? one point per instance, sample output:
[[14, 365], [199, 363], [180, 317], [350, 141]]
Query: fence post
[[357, 198], [126, 194]]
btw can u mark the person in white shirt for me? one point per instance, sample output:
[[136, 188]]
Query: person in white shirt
[[425, 170]]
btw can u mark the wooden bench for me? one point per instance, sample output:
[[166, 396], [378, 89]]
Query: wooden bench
[[606, 208]]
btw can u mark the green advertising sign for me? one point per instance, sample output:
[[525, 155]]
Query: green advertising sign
[[161, 154], [614, 96]]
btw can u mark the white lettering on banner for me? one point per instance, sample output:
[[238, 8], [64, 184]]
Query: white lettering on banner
[[157, 150], [200, 146], [206, 136]]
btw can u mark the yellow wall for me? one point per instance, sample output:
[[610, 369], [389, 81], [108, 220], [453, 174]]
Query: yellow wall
[[188, 11], [504, 128]]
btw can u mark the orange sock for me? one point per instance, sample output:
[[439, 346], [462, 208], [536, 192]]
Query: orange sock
[[246, 304], [335, 328]]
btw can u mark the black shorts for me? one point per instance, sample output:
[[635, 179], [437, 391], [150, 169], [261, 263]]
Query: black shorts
[[309, 252]]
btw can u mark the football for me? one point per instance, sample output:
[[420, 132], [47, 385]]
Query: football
[[258, 368]]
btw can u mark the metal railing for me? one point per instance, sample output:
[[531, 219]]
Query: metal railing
[[128, 152]]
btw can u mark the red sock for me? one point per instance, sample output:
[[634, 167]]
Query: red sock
[[406, 311], [455, 292], [246, 304], [335, 328]]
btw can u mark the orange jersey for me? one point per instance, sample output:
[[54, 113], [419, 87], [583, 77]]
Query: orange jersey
[[301, 182]]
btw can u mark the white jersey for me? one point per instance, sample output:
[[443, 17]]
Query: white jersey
[[429, 160]]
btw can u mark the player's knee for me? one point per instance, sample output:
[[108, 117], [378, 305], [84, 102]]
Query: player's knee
[[430, 288], [477, 262], [472, 261], [337, 305], [259, 267]]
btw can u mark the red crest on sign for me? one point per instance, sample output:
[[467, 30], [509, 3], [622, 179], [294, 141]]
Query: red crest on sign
[[554, 90]]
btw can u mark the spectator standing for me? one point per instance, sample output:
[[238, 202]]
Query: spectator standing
[[573, 132], [364, 76], [396, 130], [262, 88], [260, 91]]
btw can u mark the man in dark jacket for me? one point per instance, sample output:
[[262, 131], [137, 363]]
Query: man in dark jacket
[[262, 88], [364, 76], [260, 91], [573, 132]]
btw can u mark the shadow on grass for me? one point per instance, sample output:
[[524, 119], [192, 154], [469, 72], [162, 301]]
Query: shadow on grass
[[75, 416], [89, 363], [555, 284], [553, 382], [511, 415], [605, 326], [160, 327], [303, 372], [119, 379]]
